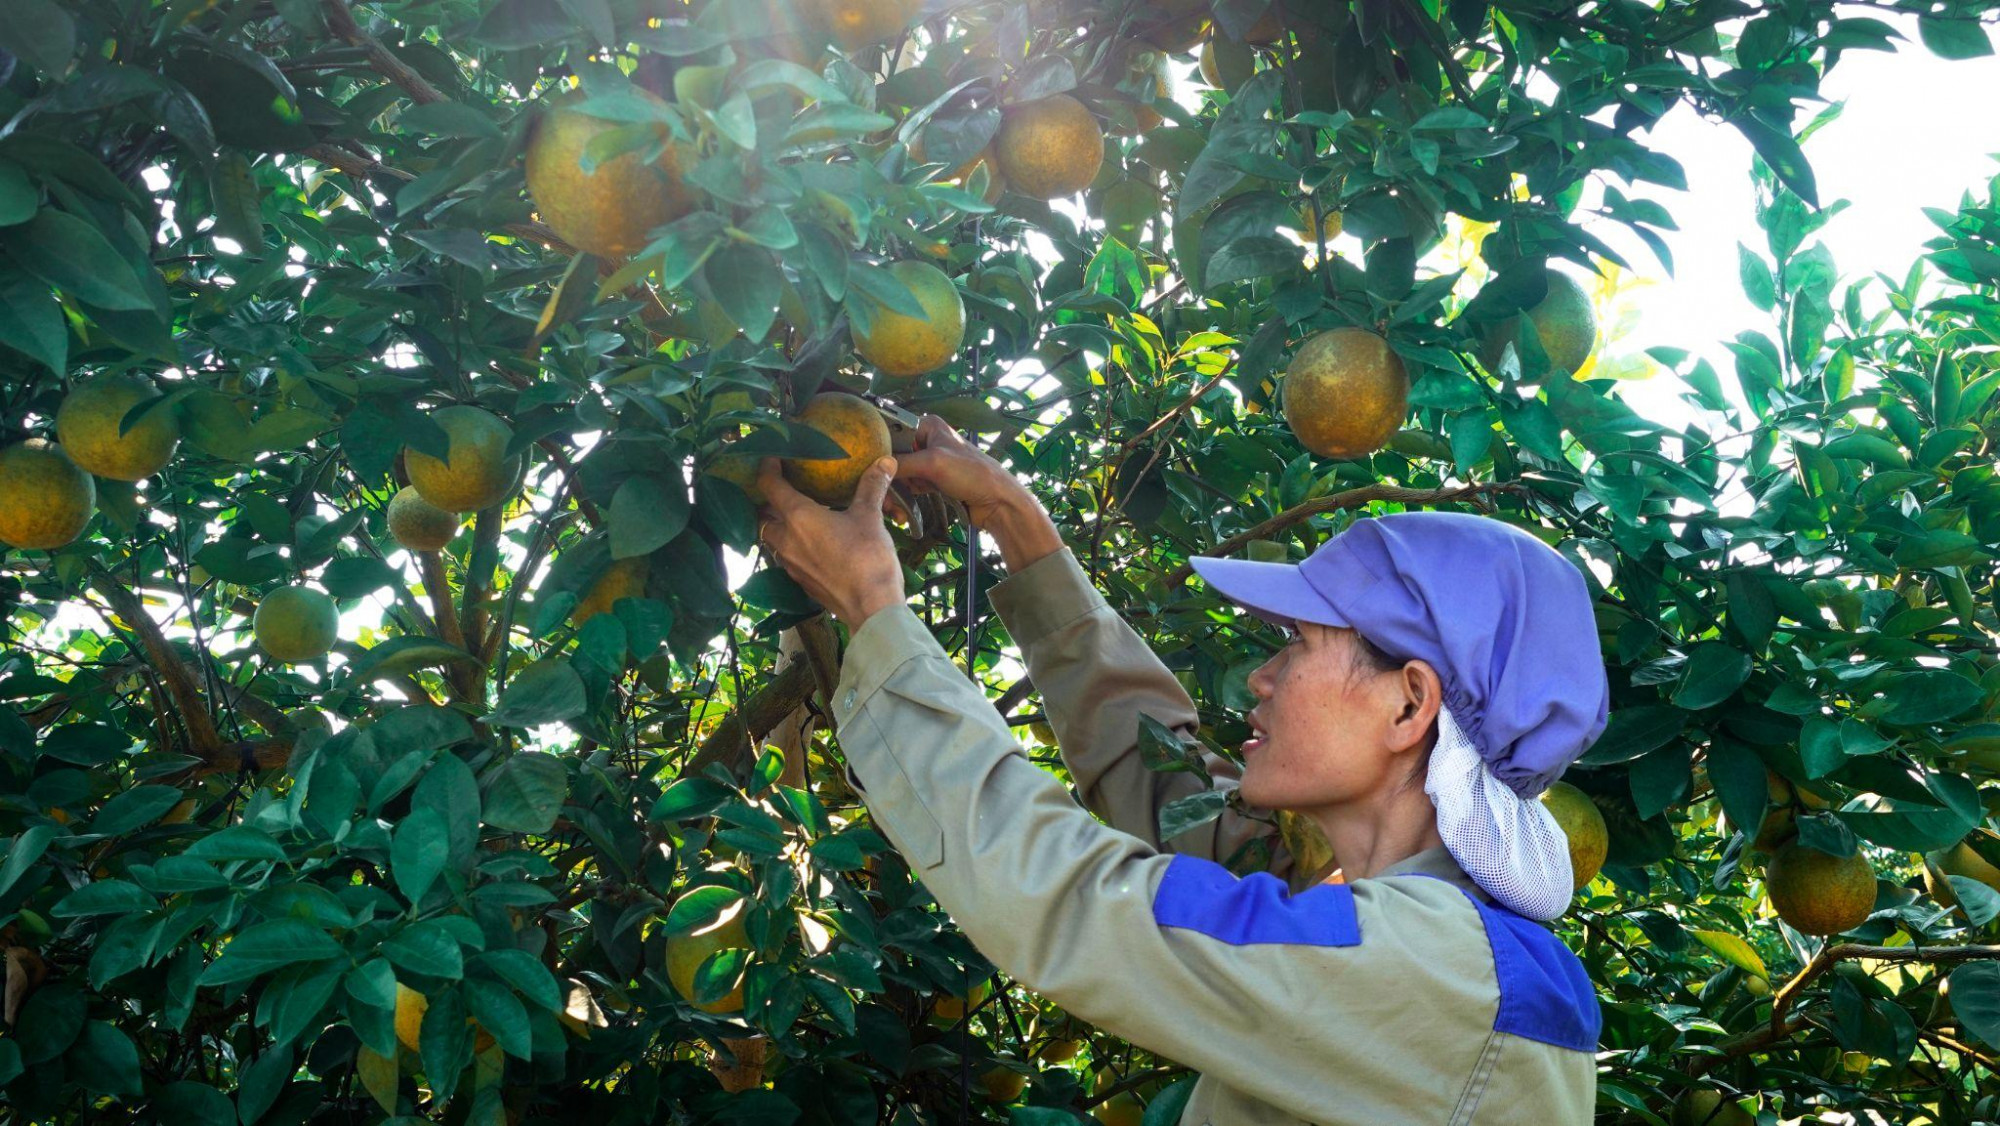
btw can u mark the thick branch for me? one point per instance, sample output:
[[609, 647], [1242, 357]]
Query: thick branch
[[765, 710], [1784, 1022], [1333, 502], [183, 686], [1844, 951], [341, 22]]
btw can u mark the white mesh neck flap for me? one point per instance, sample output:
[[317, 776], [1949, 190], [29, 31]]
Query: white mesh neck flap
[[1511, 846]]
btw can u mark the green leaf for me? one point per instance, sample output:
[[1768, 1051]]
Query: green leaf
[[1980, 903], [745, 281], [1251, 257], [357, 577], [22, 851], [417, 853], [445, 1042], [1784, 156], [134, 809], [449, 119], [105, 1061], [502, 1015], [263, 1081], [526, 794], [1738, 777], [529, 977], [102, 897], [400, 655], [511, 25], [71, 255], [41, 33], [548, 691], [264, 947], [1975, 1000], [287, 429], [188, 1103], [232, 186], [688, 798], [647, 512], [1961, 37], [426, 948], [1733, 950], [1194, 810], [1713, 673], [1756, 275], [1930, 696], [31, 319]]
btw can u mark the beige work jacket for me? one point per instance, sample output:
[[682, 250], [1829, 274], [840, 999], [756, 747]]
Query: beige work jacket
[[1408, 997]]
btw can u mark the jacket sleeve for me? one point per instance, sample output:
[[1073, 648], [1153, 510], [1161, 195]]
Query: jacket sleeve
[[1232, 976], [1096, 675]]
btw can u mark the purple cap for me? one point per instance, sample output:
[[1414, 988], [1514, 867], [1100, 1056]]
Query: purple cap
[[1504, 619]]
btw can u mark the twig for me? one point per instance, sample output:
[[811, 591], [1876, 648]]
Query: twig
[[1963, 1049], [341, 22], [1333, 502]]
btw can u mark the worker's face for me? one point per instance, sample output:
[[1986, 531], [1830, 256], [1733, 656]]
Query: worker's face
[[1333, 729]]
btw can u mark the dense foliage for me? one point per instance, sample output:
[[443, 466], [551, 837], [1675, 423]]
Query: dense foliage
[[435, 871]]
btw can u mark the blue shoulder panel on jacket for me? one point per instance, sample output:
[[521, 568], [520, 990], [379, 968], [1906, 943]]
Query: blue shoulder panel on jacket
[[1545, 994], [1201, 895]]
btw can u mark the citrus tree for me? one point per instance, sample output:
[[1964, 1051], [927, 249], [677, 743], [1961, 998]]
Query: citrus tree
[[383, 734]]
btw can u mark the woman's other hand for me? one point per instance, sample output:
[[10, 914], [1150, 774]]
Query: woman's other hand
[[944, 462], [844, 559]]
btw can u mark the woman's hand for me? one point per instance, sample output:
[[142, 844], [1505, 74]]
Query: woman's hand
[[944, 462], [844, 559]]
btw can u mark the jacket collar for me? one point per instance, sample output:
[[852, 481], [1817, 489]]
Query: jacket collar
[[1436, 862]]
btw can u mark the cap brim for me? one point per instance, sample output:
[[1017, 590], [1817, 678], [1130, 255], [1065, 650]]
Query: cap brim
[[1275, 592]]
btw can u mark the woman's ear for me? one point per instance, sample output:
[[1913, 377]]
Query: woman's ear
[[1422, 694]]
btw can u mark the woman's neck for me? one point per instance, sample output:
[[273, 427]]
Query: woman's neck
[[1371, 835]]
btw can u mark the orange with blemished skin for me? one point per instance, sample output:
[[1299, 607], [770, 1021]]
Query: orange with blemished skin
[[417, 524], [1049, 148], [1345, 393], [624, 578], [611, 210], [857, 427], [475, 472], [1817, 893], [855, 24], [1583, 827]]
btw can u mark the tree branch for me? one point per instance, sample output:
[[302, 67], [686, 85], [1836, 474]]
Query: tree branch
[[341, 22], [755, 718], [181, 684], [1787, 996]]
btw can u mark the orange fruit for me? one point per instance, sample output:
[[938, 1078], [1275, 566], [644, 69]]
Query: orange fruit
[[1345, 393], [88, 421], [611, 210], [904, 346], [1583, 826], [46, 499], [1820, 894], [1049, 148], [857, 427]]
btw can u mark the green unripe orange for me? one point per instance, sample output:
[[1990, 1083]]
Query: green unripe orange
[[296, 623]]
